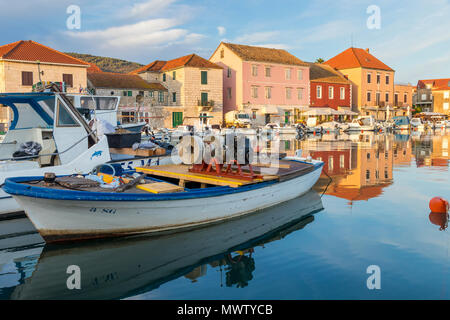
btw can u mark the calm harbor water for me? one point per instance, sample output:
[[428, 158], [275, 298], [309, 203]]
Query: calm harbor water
[[373, 212]]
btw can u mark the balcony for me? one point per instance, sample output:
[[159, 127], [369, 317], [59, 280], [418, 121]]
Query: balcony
[[205, 105]]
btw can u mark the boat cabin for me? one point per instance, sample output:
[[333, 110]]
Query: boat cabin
[[46, 129]]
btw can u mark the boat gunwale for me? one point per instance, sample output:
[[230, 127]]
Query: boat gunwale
[[14, 186]]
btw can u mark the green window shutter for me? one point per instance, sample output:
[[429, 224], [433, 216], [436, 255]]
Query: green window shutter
[[204, 77], [164, 77], [130, 93], [204, 98], [174, 75]]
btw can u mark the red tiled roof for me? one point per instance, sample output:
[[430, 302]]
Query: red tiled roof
[[263, 54], [191, 60], [154, 66], [356, 58], [437, 84], [93, 68], [33, 51], [324, 73], [121, 81]]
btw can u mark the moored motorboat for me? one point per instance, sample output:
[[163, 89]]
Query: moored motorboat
[[66, 214]]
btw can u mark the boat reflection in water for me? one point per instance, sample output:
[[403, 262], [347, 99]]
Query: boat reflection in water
[[120, 268]]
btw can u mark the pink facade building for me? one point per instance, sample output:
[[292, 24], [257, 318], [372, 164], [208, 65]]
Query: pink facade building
[[271, 85]]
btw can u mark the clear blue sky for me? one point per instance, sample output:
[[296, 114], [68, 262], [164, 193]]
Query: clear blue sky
[[413, 39]]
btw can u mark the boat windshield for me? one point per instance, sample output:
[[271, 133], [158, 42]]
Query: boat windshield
[[30, 111], [99, 103]]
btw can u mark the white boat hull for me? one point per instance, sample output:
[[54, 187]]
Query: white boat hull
[[71, 219]]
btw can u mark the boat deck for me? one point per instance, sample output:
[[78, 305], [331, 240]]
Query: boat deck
[[284, 171], [173, 178]]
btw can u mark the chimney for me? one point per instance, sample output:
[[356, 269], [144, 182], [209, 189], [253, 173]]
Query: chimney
[[367, 50]]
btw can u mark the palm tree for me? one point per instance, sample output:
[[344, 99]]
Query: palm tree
[[320, 60]]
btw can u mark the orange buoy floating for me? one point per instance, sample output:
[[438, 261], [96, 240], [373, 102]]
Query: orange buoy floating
[[438, 205]]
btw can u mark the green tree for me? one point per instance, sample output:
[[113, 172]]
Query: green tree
[[320, 60]]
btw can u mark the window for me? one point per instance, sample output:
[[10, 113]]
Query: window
[[125, 93], [204, 97], [229, 92], [368, 155], [330, 163], [27, 78], [330, 92], [300, 93], [255, 70], [405, 98], [300, 74], [141, 93], [164, 77], [369, 78], [130, 93], [341, 161], [174, 97], [267, 71], [342, 96], [446, 94], [378, 78], [68, 80], [174, 75], [367, 174], [222, 53], [65, 118], [151, 94], [254, 92], [445, 106], [319, 92], [387, 79], [288, 93], [229, 73], [268, 92], [386, 175], [288, 74], [204, 75], [160, 96], [369, 96], [253, 114], [387, 97], [424, 96]]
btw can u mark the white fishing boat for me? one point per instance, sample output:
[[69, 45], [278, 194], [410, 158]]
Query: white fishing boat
[[363, 123], [49, 134], [46, 134], [417, 124], [203, 198]]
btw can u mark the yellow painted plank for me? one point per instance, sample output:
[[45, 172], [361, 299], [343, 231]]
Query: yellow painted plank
[[159, 187]]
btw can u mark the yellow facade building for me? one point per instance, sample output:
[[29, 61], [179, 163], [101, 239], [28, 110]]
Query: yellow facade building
[[372, 82]]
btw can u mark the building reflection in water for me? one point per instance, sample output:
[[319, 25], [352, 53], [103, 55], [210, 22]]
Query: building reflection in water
[[361, 165]]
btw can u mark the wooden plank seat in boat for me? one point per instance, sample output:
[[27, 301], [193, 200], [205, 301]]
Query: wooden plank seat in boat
[[160, 187], [181, 172]]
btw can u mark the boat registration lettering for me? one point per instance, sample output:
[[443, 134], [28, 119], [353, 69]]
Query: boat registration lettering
[[103, 210]]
